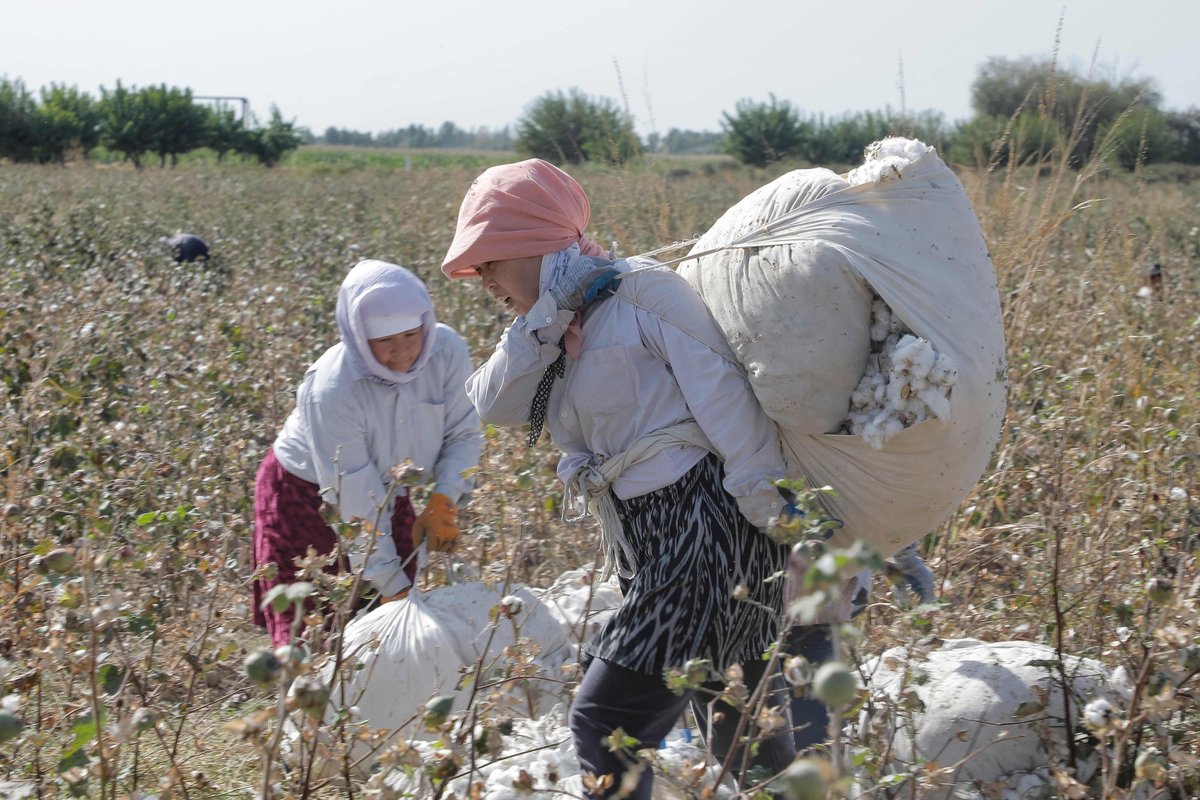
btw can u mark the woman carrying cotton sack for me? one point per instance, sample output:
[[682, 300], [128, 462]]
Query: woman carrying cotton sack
[[391, 391], [662, 439]]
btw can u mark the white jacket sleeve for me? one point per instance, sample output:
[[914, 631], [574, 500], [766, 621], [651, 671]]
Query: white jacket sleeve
[[677, 327], [462, 440], [347, 475], [502, 388]]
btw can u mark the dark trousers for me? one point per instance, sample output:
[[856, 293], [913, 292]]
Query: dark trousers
[[641, 705], [810, 717]]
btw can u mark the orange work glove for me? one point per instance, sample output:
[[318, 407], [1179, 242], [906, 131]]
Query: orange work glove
[[400, 595], [437, 524]]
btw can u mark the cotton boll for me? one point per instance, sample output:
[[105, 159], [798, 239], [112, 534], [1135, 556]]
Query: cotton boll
[[898, 390], [922, 358], [857, 422], [899, 150], [942, 368], [892, 426], [937, 402], [886, 159], [881, 320], [880, 330], [872, 432], [880, 311], [882, 427], [894, 394], [863, 394], [887, 356], [905, 382], [905, 344], [916, 407]]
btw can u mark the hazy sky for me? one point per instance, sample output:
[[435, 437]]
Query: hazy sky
[[374, 65]]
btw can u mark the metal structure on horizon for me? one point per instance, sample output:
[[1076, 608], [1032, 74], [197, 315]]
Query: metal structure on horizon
[[244, 101]]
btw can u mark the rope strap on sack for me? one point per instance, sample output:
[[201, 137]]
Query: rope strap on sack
[[589, 490]]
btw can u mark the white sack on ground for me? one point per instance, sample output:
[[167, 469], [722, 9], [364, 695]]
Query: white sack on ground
[[793, 298], [414, 649], [580, 602], [970, 693], [542, 749]]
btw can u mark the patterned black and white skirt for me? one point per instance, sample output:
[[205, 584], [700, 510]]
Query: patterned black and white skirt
[[693, 549]]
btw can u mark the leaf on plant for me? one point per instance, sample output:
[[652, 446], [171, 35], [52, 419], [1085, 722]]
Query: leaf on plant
[[74, 758], [1044, 663], [111, 677], [84, 730], [1028, 707]]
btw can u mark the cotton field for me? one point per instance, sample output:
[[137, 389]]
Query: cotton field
[[139, 395]]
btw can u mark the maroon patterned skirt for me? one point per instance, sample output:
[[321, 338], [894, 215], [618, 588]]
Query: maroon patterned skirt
[[287, 521]]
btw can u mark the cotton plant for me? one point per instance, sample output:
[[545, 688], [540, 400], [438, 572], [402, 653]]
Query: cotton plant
[[905, 383]]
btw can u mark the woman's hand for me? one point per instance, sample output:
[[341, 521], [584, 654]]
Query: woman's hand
[[438, 524]]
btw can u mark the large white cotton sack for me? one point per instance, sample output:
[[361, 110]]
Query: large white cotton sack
[[802, 305], [399, 656], [992, 699], [405, 652], [913, 237], [580, 602]]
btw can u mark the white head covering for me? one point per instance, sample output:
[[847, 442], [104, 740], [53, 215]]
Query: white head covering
[[379, 299]]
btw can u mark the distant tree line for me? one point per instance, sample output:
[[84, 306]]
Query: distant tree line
[[164, 121], [448, 135], [1023, 109]]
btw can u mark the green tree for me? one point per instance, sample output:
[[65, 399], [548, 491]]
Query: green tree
[[841, 140], [272, 143], [128, 124], [67, 120], [687, 141], [18, 112], [763, 133], [1140, 137], [573, 127], [1082, 106], [223, 132], [995, 141], [1184, 127], [180, 125]]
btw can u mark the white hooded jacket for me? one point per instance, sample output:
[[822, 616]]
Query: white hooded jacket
[[355, 419]]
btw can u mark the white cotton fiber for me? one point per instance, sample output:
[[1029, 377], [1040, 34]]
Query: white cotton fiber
[[906, 381], [886, 159]]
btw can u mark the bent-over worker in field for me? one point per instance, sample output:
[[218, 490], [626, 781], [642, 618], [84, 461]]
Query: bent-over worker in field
[[660, 430], [390, 391]]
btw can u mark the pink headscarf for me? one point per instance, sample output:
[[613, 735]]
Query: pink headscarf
[[530, 208]]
